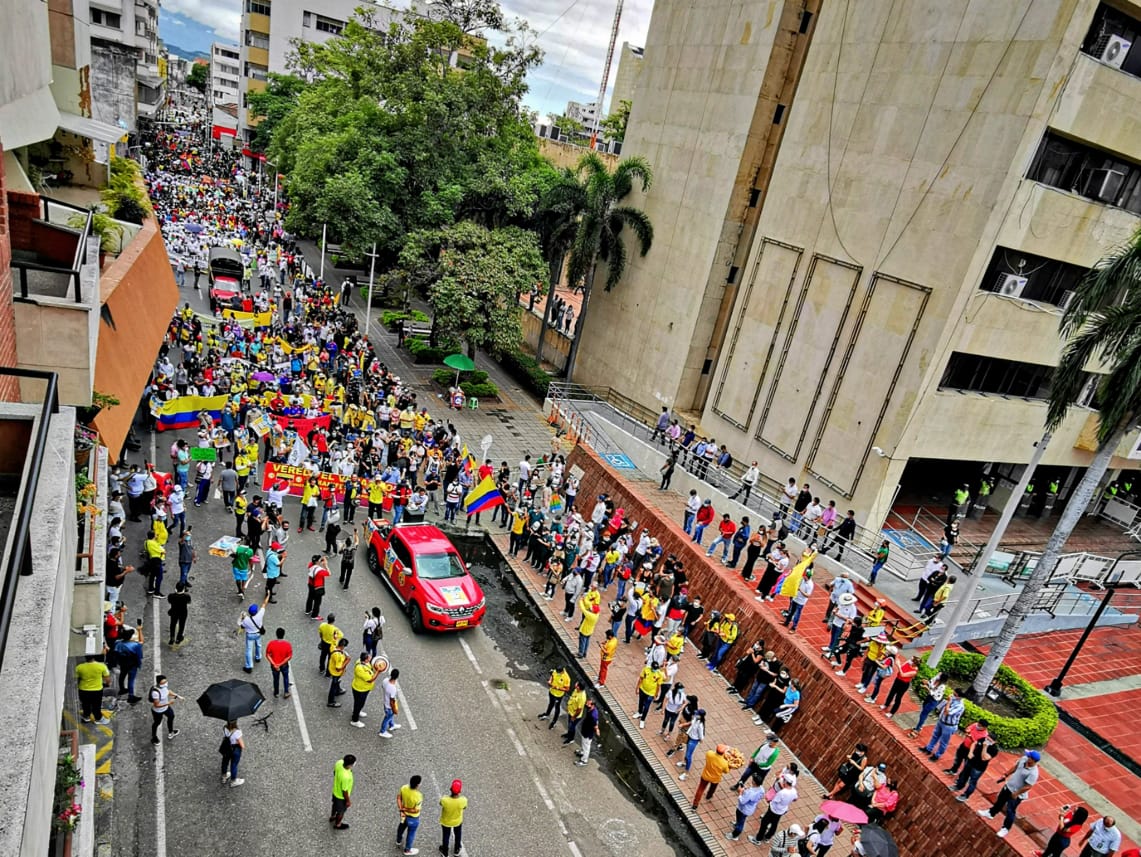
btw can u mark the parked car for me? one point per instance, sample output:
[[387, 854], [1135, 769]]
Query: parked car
[[427, 575]]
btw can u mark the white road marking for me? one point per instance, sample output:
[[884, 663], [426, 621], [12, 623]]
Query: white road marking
[[160, 771], [515, 740], [470, 655], [300, 717], [574, 848]]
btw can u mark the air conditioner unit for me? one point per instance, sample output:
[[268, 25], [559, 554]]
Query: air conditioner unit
[[1103, 184], [1067, 299], [1010, 285], [1115, 51]]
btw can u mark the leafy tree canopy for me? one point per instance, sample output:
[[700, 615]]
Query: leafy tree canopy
[[389, 138], [614, 125], [473, 277], [198, 77], [272, 105]]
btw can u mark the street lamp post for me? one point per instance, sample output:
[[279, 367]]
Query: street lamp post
[[324, 232], [371, 274], [1054, 688]]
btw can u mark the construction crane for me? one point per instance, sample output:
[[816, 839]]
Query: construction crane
[[605, 76]]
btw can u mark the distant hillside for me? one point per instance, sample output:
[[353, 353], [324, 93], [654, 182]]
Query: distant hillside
[[185, 54], [192, 38]]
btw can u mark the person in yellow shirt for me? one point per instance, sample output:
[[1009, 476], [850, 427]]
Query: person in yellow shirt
[[675, 645], [375, 498], [716, 767], [575, 705], [727, 632], [557, 686], [650, 681], [875, 616], [240, 506], [364, 677], [242, 466], [409, 801], [591, 607], [158, 524], [452, 808], [609, 648], [156, 557], [518, 524], [338, 663], [648, 616], [407, 420], [329, 635], [91, 677]]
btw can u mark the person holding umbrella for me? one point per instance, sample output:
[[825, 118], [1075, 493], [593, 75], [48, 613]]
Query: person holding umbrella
[[231, 749]]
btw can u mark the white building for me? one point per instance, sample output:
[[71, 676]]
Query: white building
[[125, 54], [584, 113], [225, 72]]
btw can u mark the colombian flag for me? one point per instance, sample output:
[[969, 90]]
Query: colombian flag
[[482, 497], [183, 411]]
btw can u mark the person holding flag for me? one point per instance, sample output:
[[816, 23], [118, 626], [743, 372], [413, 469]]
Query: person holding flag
[[484, 495]]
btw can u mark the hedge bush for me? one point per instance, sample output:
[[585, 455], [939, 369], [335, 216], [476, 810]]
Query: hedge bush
[[486, 390], [389, 318], [1039, 715], [422, 352], [526, 369]]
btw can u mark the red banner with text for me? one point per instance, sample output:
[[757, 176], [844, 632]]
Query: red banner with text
[[296, 477]]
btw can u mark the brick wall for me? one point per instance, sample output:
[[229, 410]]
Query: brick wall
[[23, 208], [830, 721], [9, 388]]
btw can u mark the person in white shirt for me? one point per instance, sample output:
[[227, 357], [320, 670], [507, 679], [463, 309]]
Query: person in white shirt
[[161, 698], [796, 604], [782, 801], [1103, 838], [933, 565], [790, 492], [391, 692], [748, 482], [524, 473], [691, 507]]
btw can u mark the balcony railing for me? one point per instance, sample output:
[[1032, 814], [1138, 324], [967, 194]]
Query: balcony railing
[[19, 562], [36, 278]]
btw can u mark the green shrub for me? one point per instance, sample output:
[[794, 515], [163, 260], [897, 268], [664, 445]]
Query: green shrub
[[447, 377], [1039, 715], [479, 391], [422, 352], [525, 369], [390, 318]]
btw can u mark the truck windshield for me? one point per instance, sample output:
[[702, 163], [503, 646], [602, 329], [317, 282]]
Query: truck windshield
[[438, 566]]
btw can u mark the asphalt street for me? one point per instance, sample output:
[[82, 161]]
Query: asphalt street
[[471, 706]]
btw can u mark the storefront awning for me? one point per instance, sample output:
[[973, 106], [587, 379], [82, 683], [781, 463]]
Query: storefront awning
[[27, 120], [92, 129]]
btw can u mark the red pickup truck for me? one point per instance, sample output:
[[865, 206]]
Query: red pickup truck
[[426, 574]]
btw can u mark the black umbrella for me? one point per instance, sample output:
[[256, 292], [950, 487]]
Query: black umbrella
[[877, 842], [231, 699]]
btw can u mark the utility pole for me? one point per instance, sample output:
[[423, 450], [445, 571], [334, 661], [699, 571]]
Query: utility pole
[[324, 232], [605, 75], [371, 274], [959, 611]]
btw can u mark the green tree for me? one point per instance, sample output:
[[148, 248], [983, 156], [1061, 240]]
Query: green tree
[[389, 138], [272, 105], [199, 76], [471, 16], [1103, 322], [473, 277], [614, 125], [567, 126], [598, 234]]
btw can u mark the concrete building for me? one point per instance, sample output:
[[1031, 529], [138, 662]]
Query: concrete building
[[584, 113], [269, 29], [867, 223], [126, 75], [225, 73], [631, 60]]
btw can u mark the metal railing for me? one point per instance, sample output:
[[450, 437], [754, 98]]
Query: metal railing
[[19, 562], [764, 499], [72, 274]]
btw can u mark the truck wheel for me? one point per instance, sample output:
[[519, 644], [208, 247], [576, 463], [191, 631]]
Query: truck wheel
[[373, 561], [416, 617]]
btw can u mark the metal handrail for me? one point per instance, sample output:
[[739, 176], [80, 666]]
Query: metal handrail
[[74, 272], [19, 563]]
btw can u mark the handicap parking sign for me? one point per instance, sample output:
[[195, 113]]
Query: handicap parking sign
[[619, 460]]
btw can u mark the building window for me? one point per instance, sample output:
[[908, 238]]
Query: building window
[[257, 40], [255, 71], [1033, 278], [1087, 171], [981, 374], [1114, 38], [328, 25], [257, 7], [106, 19]]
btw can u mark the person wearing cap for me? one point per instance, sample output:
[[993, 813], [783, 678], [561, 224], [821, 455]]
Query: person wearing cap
[[716, 767], [253, 624], [727, 633], [452, 806], [839, 587], [1017, 782], [779, 805], [949, 713], [273, 559], [760, 763], [843, 612]]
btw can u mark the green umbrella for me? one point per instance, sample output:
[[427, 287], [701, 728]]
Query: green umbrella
[[459, 362]]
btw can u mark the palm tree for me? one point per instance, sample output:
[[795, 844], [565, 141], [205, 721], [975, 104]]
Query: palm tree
[[599, 230], [556, 221], [1103, 321]]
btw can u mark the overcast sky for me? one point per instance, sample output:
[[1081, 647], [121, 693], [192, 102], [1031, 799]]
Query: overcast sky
[[575, 46]]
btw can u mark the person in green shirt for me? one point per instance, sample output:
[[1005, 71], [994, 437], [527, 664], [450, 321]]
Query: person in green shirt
[[92, 676], [342, 791], [409, 800], [240, 565], [452, 808]]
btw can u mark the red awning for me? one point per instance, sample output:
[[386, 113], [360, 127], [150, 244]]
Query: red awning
[[219, 130]]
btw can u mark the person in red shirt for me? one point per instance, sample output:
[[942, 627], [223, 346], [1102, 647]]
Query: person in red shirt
[[975, 731], [318, 571], [485, 470], [904, 672], [726, 529], [1070, 823], [279, 653], [703, 519]]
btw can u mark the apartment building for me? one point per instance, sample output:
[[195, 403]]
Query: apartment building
[[868, 221], [225, 73], [126, 73]]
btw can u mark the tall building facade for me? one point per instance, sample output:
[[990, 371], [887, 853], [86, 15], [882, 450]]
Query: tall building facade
[[225, 73], [269, 30], [868, 220], [126, 74], [631, 60]]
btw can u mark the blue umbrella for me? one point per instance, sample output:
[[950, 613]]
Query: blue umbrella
[[194, 227]]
